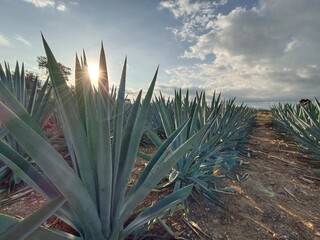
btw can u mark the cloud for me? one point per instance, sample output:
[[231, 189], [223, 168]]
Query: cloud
[[266, 52], [23, 40], [196, 16], [4, 41], [58, 5], [182, 8], [41, 3], [61, 7]]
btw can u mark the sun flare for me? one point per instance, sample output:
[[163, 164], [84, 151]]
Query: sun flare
[[94, 73]]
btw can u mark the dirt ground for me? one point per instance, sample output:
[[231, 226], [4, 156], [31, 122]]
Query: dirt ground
[[276, 196]]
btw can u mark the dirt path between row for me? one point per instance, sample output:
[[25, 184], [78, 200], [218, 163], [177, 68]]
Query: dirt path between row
[[278, 199]]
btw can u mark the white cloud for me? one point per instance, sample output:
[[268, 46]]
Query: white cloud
[[181, 8], [263, 53], [294, 43], [41, 3], [61, 7], [196, 16], [4, 41], [23, 40]]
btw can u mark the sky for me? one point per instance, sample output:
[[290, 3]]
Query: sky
[[259, 51]]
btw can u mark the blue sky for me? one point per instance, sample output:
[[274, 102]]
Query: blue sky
[[259, 51]]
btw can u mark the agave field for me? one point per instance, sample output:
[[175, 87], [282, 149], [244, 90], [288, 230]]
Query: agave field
[[215, 154], [85, 168], [302, 124], [199, 144]]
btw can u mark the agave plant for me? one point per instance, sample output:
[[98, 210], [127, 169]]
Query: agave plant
[[37, 103], [153, 123], [302, 124], [218, 146], [93, 196]]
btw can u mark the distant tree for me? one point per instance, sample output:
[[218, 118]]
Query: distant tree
[[30, 78], [43, 64]]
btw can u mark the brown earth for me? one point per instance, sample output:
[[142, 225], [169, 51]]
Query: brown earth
[[276, 196]]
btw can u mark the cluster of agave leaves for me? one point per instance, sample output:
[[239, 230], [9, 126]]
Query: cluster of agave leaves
[[302, 124], [102, 133], [226, 127], [37, 103]]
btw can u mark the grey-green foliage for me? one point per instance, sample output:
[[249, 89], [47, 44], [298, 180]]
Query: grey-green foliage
[[302, 124], [36, 101], [153, 123], [225, 129], [103, 149]]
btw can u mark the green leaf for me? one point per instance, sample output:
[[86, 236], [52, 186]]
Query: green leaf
[[24, 228], [157, 173], [26, 171], [159, 208], [73, 127], [39, 234], [17, 108], [54, 167]]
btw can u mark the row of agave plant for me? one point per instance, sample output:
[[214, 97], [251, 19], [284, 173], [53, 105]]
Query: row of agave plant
[[37, 103], [215, 154], [102, 135], [302, 124]]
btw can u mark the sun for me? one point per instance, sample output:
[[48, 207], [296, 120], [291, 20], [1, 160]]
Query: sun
[[94, 73]]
